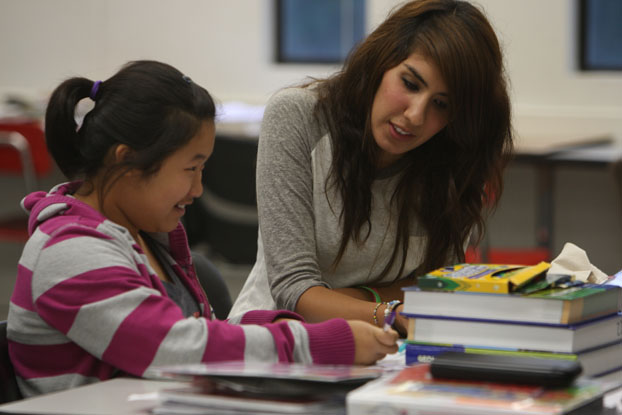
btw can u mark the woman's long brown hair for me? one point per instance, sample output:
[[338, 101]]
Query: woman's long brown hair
[[448, 181]]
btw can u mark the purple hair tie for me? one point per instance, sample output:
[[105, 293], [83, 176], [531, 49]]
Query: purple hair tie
[[94, 90]]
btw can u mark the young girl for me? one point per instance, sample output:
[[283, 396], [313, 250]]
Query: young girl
[[106, 285], [381, 172]]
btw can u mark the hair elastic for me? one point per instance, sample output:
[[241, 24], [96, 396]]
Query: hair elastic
[[372, 291], [94, 90]]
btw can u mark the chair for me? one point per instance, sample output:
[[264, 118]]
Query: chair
[[22, 153], [9, 391], [214, 285], [225, 217]]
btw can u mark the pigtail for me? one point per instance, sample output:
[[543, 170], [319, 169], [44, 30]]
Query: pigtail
[[61, 130]]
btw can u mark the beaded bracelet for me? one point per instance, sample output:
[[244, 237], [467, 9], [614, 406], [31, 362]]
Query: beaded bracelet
[[376, 312], [372, 291]]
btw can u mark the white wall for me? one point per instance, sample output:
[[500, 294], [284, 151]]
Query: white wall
[[226, 45]]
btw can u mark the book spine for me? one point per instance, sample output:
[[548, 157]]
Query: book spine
[[526, 336], [425, 353]]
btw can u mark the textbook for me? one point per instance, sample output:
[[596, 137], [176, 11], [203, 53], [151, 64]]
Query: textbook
[[558, 305], [598, 361], [197, 400], [487, 278], [414, 391], [273, 379], [237, 387], [568, 338]]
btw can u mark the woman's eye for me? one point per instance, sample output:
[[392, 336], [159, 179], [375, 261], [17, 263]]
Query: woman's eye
[[441, 104], [410, 85]]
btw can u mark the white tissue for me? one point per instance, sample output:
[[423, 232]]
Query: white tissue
[[574, 261]]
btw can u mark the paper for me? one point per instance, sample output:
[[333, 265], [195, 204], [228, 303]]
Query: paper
[[574, 261]]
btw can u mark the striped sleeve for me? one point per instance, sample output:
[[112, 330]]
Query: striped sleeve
[[107, 301]]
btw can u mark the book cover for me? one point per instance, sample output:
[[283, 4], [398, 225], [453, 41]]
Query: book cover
[[558, 305], [489, 278], [274, 379], [570, 338], [199, 400], [595, 362], [415, 391]]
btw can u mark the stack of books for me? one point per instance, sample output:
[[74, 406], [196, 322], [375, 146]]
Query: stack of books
[[258, 388], [515, 310]]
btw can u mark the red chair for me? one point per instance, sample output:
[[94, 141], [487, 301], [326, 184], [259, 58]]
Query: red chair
[[22, 153]]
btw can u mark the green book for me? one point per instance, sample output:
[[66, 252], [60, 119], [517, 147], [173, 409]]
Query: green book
[[560, 305]]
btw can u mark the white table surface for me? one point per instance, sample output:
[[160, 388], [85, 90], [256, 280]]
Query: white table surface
[[118, 396]]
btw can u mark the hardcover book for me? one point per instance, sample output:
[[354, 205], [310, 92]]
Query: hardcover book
[[237, 387], [278, 379], [567, 338], [552, 305], [414, 391], [595, 362]]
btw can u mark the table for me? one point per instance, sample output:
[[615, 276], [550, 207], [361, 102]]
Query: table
[[130, 396], [115, 396]]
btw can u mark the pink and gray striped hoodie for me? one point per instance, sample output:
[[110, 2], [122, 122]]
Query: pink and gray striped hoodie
[[87, 307]]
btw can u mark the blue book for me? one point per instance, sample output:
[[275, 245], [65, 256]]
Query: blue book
[[595, 362]]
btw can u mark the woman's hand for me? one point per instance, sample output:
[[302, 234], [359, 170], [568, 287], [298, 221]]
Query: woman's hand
[[371, 343], [401, 322]]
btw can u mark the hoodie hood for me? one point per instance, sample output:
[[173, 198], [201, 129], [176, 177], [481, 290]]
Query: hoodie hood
[[59, 205], [42, 206]]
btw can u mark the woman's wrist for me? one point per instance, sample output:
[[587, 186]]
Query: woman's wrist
[[397, 324]]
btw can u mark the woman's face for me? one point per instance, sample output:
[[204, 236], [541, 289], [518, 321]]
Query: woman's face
[[411, 105], [157, 203]]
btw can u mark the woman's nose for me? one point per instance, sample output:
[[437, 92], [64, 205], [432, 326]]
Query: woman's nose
[[416, 111]]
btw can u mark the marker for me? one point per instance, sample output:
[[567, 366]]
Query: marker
[[389, 314]]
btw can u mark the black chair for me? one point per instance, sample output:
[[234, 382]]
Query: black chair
[[214, 285], [225, 217], [9, 391]]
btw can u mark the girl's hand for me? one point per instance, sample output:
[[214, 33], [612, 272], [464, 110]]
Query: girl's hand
[[371, 343]]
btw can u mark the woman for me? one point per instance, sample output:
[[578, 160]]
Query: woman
[[381, 172], [106, 285]]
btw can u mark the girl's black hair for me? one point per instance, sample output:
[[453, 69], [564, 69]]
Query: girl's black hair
[[149, 106]]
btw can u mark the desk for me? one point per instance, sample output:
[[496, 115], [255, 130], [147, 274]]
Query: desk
[[124, 396], [546, 153]]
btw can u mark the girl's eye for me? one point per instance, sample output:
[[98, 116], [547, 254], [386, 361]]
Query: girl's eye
[[195, 168], [410, 85]]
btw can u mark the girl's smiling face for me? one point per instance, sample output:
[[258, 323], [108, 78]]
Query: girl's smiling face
[[157, 203], [411, 105]]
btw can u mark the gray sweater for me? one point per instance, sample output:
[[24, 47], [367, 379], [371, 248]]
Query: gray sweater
[[299, 227]]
